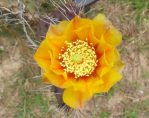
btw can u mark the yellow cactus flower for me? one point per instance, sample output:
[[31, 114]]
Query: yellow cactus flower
[[80, 56]]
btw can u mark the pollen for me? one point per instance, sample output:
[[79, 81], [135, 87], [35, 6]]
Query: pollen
[[79, 58]]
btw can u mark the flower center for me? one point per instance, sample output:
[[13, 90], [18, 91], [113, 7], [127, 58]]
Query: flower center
[[79, 58]]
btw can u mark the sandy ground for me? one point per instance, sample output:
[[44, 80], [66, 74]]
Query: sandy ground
[[10, 63]]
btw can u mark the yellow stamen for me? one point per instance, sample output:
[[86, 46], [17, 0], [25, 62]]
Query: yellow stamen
[[79, 58]]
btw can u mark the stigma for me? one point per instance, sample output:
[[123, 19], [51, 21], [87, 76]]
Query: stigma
[[79, 58]]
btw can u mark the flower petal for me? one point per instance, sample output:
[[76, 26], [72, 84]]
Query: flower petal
[[113, 36], [75, 98], [57, 80], [42, 56], [55, 62], [109, 58], [56, 67], [84, 32], [57, 30], [102, 46], [110, 78], [75, 24], [102, 70], [55, 45], [104, 28], [100, 23], [56, 37]]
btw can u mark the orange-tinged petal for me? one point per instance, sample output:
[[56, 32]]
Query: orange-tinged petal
[[94, 82], [110, 78], [86, 84], [56, 44], [57, 30], [102, 70], [55, 62], [56, 67], [84, 32], [57, 80], [103, 46], [75, 24], [42, 56], [76, 99], [113, 36], [109, 58], [56, 37]]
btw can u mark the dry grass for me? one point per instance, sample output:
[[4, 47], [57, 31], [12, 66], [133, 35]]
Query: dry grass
[[22, 93]]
